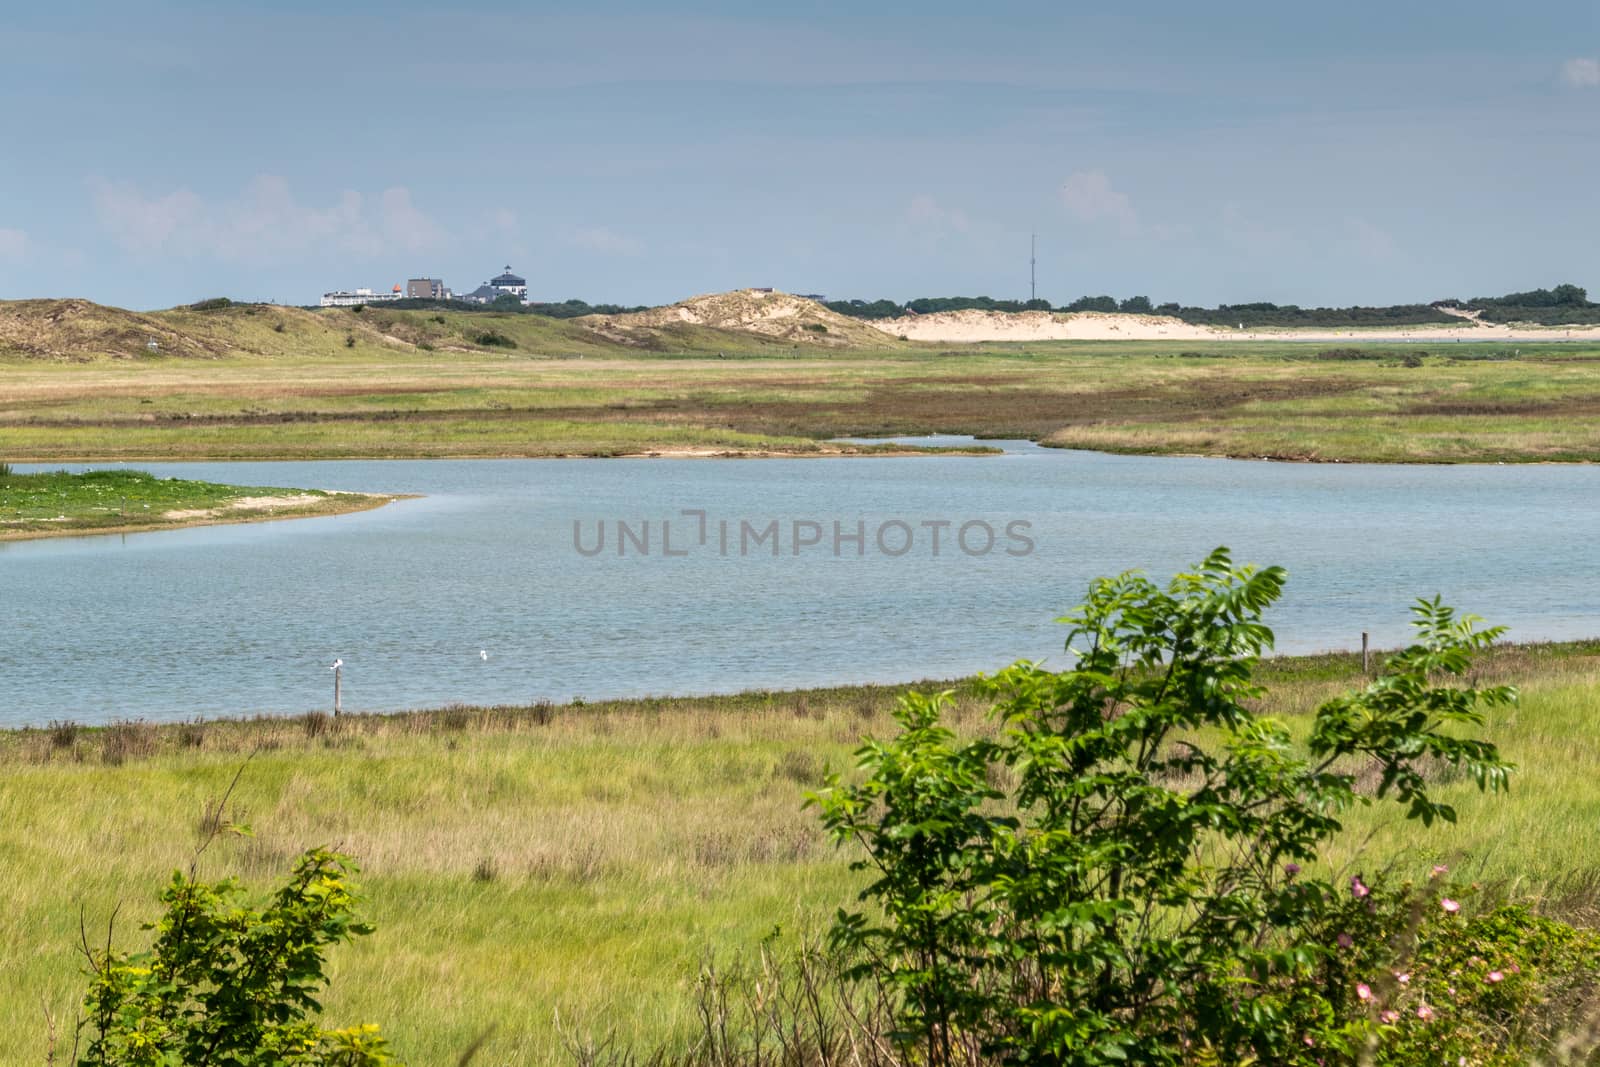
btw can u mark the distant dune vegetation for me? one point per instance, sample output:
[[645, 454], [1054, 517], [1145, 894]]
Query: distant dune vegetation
[[739, 322], [755, 373]]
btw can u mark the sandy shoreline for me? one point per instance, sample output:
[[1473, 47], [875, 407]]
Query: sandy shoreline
[[695, 452], [297, 508], [961, 327]]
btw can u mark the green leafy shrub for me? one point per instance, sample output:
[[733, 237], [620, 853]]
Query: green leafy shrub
[[1117, 873], [216, 303], [228, 983], [491, 339]]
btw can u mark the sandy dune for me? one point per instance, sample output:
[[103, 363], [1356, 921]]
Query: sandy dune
[[775, 314], [972, 326]]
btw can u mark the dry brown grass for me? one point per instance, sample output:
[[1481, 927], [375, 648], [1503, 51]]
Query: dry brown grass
[[379, 400]]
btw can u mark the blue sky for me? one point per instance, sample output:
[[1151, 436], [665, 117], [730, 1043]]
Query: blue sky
[[158, 153]]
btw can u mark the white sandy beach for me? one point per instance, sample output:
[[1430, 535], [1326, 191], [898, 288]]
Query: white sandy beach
[[972, 326]]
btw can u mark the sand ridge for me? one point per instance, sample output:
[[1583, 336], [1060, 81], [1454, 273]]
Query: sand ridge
[[973, 326], [768, 312]]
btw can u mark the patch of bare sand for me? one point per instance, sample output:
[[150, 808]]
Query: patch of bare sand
[[821, 452], [245, 503], [973, 326]]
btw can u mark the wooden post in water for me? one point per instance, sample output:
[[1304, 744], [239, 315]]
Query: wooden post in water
[[338, 672], [1366, 657]]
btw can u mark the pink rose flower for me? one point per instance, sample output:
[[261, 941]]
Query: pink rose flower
[[1449, 905], [1345, 941], [1358, 888], [1363, 991], [1391, 1016], [1439, 868], [1424, 1013], [1495, 976]]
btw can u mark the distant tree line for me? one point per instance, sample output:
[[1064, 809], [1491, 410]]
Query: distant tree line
[[571, 309], [1267, 314], [1561, 305], [1565, 304], [927, 305], [1561, 296], [1257, 314]]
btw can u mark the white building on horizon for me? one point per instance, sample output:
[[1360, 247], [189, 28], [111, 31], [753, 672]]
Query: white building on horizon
[[343, 298], [503, 284]]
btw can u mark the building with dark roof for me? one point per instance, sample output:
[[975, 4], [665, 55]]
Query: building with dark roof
[[510, 283], [503, 284]]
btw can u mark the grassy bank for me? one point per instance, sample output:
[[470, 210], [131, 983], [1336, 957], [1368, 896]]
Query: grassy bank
[[1457, 403], [521, 862], [58, 504]]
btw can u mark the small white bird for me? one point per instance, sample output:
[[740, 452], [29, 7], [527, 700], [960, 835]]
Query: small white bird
[[336, 664], [483, 654]]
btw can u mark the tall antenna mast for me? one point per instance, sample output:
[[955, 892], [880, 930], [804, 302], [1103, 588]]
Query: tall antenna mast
[[1033, 265]]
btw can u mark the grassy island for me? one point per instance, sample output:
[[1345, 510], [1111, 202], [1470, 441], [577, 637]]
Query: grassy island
[[59, 503]]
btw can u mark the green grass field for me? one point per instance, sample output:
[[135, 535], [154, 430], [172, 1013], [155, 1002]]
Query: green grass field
[[583, 861], [56, 503], [411, 384]]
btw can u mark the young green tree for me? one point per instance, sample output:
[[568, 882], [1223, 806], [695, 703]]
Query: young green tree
[[228, 983], [1119, 871]]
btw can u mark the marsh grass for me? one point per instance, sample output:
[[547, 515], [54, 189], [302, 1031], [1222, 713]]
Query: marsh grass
[[122, 741], [1473, 403], [586, 861]]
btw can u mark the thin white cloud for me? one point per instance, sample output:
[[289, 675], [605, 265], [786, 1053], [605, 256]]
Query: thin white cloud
[[927, 214], [1089, 197], [265, 223], [403, 224], [13, 245], [1581, 73], [606, 241]]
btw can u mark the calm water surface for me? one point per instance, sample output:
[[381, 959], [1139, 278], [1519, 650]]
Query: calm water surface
[[244, 619]]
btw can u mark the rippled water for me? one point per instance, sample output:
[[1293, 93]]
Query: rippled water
[[244, 619]]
